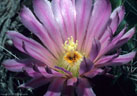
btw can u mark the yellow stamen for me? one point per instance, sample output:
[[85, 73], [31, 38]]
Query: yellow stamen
[[70, 45]]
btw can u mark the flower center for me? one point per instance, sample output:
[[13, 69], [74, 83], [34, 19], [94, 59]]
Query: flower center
[[72, 58]]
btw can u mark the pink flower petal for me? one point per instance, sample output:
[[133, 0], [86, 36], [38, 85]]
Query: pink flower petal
[[56, 8], [118, 37], [85, 66], [36, 82], [118, 41], [31, 72], [73, 1], [124, 59], [13, 65], [93, 72], [98, 22], [106, 59], [117, 16], [31, 48], [129, 34], [120, 60], [21, 65], [29, 20], [84, 88], [55, 87], [43, 11], [106, 38], [94, 50], [71, 81], [68, 14], [83, 9], [43, 71]]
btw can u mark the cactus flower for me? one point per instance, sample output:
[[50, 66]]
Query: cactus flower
[[76, 36]]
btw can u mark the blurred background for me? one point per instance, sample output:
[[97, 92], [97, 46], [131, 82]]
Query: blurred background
[[124, 82]]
